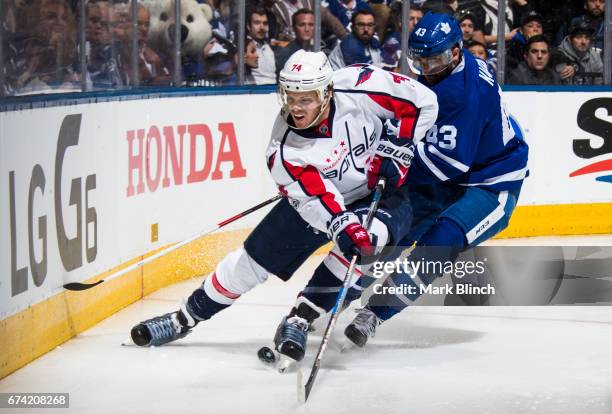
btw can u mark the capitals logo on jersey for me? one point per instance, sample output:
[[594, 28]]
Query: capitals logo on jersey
[[364, 75]]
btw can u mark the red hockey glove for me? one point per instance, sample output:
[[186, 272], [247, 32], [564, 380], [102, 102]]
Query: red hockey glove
[[346, 231]]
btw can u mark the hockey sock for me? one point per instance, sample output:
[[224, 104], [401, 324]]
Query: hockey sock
[[324, 285], [209, 299]]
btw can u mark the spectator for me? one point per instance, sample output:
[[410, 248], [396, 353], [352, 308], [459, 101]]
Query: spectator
[[303, 27], [46, 55], [440, 6], [222, 18], [360, 46], [121, 37], [102, 66], [556, 14], [391, 48], [531, 25], [251, 60], [14, 15], [576, 61], [345, 10], [466, 22], [285, 9], [594, 18], [479, 50], [535, 70], [485, 15], [382, 15], [266, 6], [219, 62], [151, 71], [257, 29], [120, 22]]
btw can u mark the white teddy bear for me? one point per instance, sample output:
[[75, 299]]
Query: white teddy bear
[[196, 31]]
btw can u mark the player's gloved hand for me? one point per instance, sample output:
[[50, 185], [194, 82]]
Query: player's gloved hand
[[392, 157], [350, 236], [392, 162]]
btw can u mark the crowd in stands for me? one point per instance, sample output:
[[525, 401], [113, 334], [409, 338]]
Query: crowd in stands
[[548, 42]]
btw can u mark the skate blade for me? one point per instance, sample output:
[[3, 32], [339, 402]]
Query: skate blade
[[286, 364], [346, 345]]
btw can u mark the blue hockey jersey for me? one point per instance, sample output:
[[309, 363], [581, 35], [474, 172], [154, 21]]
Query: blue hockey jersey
[[473, 141]]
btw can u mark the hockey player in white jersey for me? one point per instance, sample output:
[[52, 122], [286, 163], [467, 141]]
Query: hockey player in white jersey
[[325, 155]]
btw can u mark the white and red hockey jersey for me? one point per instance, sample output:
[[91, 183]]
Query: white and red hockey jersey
[[324, 168]]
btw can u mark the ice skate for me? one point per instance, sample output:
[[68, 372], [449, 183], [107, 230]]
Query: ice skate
[[290, 341], [292, 333], [363, 327], [163, 329]]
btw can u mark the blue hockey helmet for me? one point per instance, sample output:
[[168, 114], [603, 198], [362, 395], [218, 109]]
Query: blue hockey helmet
[[431, 42]]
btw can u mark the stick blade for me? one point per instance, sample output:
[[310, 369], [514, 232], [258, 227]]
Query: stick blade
[[310, 383], [77, 286]]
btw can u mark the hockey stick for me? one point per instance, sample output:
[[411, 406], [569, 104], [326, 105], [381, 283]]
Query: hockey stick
[[341, 295], [77, 286]]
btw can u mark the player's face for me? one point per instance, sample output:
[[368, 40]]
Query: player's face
[[435, 68], [581, 43], [537, 56], [304, 107], [432, 65]]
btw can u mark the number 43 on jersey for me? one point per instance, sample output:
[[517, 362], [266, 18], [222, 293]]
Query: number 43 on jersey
[[444, 137]]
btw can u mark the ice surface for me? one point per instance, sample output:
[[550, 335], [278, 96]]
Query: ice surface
[[427, 360]]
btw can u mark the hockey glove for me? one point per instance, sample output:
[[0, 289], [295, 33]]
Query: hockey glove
[[346, 231], [391, 158], [392, 162]]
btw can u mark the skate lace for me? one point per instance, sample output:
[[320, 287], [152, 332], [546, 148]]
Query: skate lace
[[366, 321], [162, 329]]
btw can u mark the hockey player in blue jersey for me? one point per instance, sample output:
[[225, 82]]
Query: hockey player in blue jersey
[[467, 173]]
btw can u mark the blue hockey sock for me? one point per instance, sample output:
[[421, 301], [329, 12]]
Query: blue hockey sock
[[323, 288], [202, 307]]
